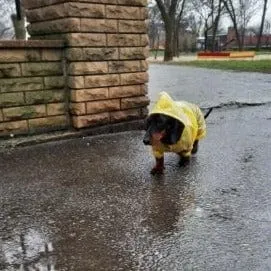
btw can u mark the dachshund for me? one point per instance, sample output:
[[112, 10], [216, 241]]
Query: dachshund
[[166, 132]]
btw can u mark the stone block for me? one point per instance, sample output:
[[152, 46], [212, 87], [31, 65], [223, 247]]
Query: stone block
[[54, 82], [144, 40], [86, 39], [134, 102], [93, 94], [124, 66], [144, 14], [74, 54], [64, 25], [51, 54], [142, 3], [78, 109], [9, 70], [103, 106], [24, 112], [83, 68], [33, 54], [130, 26], [100, 54], [90, 120], [134, 78], [124, 40], [12, 127], [99, 25], [13, 55], [133, 53], [144, 65], [102, 80], [144, 112], [125, 115], [144, 89], [31, 4], [42, 97], [21, 84], [48, 123], [1, 116], [46, 13], [56, 109], [85, 10], [126, 91], [11, 99], [76, 82], [123, 12], [43, 68]]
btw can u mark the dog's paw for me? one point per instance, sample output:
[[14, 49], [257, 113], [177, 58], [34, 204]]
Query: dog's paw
[[195, 147], [184, 161], [157, 171]]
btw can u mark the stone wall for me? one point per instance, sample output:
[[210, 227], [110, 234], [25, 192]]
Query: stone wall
[[32, 87], [106, 51], [84, 66]]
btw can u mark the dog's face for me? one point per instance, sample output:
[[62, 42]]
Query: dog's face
[[162, 128]]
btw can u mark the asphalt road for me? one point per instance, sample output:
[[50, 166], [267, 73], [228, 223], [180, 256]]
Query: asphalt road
[[91, 203]]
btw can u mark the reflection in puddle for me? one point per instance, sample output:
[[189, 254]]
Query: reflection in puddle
[[168, 206], [27, 252]]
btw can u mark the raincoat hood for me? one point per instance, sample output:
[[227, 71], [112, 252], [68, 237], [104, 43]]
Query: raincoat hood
[[167, 106]]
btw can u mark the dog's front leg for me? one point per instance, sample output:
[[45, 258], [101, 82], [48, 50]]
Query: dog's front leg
[[159, 167], [184, 159]]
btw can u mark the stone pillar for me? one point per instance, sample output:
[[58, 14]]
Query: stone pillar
[[106, 55]]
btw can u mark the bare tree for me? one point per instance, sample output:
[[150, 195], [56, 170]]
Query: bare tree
[[154, 24], [258, 46], [210, 12], [241, 12], [171, 13], [217, 9], [179, 17]]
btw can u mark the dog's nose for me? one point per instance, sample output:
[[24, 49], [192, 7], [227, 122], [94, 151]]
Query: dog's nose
[[146, 141]]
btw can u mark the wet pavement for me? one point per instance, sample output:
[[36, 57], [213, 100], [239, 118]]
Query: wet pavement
[[91, 203], [208, 87]]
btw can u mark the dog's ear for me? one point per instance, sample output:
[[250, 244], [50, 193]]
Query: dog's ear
[[174, 132], [147, 122]]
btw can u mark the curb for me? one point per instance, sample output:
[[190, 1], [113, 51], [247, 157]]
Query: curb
[[24, 141]]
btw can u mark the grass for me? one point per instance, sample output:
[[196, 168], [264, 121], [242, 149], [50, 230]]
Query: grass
[[263, 66]]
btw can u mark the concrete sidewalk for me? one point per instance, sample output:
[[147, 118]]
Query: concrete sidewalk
[[90, 203]]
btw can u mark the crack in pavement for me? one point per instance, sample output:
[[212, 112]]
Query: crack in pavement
[[236, 104]]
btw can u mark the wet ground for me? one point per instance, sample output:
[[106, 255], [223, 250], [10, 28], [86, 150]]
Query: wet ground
[[209, 87], [91, 204]]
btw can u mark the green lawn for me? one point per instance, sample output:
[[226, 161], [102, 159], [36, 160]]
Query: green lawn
[[263, 66]]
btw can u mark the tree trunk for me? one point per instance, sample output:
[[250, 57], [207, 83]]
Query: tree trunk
[[258, 46], [18, 10], [239, 42], [19, 27], [157, 47], [176, 41], [215, 26], [205, 36], [169, 44], [233, 19]]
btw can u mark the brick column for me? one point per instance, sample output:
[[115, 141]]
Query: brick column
[[105, 50]]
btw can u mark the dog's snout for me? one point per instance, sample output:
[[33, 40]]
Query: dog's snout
[[146, 141]]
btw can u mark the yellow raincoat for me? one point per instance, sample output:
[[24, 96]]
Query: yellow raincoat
[[192, 118]]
